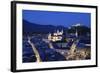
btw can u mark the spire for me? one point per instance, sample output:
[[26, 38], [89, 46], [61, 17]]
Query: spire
[[62, 31], [57, 31]]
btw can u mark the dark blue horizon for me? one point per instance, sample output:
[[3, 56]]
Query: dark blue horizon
[[65, 19]]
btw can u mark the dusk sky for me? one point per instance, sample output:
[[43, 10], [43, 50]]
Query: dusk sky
[[57, 18]]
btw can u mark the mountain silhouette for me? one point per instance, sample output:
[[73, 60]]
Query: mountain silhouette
[[31, 28]]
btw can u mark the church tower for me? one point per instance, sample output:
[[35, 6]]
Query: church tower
[[76, 33], [49, 36]]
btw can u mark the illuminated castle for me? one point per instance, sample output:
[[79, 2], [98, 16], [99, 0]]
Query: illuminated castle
[[56, 36]]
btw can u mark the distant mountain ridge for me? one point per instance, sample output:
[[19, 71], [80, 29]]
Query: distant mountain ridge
[[29, 28]]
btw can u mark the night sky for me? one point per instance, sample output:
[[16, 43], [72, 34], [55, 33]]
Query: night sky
[[57, 18]]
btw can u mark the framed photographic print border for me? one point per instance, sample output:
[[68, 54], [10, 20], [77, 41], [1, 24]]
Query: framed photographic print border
[[14, 35]]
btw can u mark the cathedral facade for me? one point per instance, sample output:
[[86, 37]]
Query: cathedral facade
[[56, 36]]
